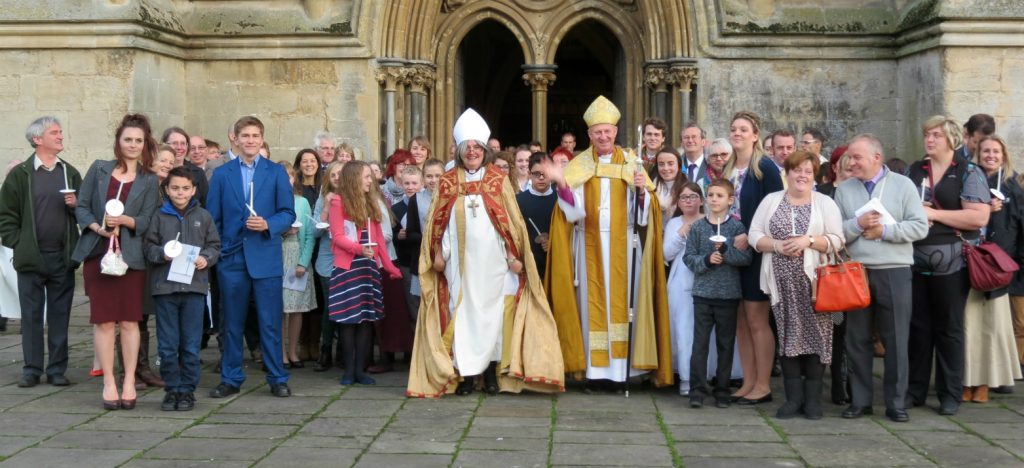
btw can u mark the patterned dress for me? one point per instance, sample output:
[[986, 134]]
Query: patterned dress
[[801, 330], [356, 295]]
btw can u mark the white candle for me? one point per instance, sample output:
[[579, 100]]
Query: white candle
[[999, 179], [66, 185], [369, 239], [535, 228], [119, 187], [719, 226], [922, 189], [252, 200]]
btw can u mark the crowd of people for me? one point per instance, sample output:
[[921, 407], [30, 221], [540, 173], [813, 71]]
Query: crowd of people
[[509, 269]]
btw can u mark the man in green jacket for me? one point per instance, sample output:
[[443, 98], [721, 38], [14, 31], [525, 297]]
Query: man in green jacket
[[37, 221]]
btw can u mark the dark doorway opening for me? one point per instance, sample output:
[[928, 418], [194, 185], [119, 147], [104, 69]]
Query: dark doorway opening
[[489, 66], [590, 62]]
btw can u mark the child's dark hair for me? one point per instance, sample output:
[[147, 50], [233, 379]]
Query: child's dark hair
[[677, 191], [725, 184], [180, 171], [538, 157]]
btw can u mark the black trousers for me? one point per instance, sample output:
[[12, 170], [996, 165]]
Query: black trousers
[[937, 332], [55, 288], [723, 319]]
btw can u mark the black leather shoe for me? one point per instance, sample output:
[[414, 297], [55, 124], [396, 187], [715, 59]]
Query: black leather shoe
[[949, 408], [28, 381], [170, 402], [1002, 389], [744, 401], [280, 390], [186, 401], [897, 415], [854, 412], [58, 380], [223, 390]]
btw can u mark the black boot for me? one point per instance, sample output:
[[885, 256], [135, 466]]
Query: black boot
[[466, 386], [812, 399], [794, 399], [491, 379], [324, 363]]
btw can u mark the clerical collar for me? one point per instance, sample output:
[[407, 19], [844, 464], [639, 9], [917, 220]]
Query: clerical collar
[[546, 193]]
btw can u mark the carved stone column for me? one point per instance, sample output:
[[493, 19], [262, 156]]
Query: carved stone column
[[389, 75], [421, 79], [656, 78], [538, 78], [685, 76]]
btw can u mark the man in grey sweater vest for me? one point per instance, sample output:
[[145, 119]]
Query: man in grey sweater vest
[[886, 249]]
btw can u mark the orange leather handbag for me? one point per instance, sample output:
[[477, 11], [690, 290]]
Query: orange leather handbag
[[842, 284]]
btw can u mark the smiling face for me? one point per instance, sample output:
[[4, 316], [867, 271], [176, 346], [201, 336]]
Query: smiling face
[[180, 191], [250, 141], [51, 141], [309, 166], [419, 152], [197, 150], [366, 179], [522, 163], [800, 179], [132, 142], [180, 145], [654, 139], [326, 150], [474, 156], [602, 136], [742, 136], [782, 147], [411, 184], [162, 164], [431, 175], [693, 144], [992, 156], [717, 158], [502, 166], [862, 162], [668, 166]]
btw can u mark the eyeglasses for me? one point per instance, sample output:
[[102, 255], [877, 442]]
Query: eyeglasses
[[808, 142], [718, 156], [538, 174], [691, 197]]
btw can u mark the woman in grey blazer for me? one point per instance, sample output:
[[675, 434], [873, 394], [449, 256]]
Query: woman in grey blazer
[[117, 299]]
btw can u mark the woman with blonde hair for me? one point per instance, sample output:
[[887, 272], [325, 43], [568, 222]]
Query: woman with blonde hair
[[754, 177], [991, 359], [956, 200]]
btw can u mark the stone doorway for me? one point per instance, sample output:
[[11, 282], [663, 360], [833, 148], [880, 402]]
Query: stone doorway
[[591, 62], [489, 80]]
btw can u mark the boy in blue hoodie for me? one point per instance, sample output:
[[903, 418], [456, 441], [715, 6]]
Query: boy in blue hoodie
[[179, 306]]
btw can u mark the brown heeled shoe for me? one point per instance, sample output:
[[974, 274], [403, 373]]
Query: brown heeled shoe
[[968, 393], [111, 404], [980, 394], [129, 404]]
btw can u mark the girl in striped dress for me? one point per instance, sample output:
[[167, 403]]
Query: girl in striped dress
[[355, 299]]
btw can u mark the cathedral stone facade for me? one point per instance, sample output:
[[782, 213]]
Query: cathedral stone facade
[[377, 72]]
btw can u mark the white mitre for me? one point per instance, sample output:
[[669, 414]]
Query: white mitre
[[471, 126]]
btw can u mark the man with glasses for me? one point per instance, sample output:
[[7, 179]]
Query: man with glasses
[[323, 144], [536, 204], [813, 141], [694, 165]]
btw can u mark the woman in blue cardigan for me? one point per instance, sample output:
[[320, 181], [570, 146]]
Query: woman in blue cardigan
[[754, 176]]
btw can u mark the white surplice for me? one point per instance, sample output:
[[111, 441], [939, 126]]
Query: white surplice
[[479, 314], [576, 213]]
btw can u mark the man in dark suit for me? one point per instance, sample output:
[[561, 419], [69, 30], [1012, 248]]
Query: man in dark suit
[[252, 204], [409, 232], [694, 165]]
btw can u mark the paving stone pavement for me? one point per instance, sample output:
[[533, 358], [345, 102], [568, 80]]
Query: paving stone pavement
[[325, 424]]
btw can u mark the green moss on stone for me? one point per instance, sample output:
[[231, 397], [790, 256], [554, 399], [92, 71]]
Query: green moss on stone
[[797, 27], [337, 28], [921, 13]]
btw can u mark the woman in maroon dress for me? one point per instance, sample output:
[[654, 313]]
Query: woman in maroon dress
[[118, 299]]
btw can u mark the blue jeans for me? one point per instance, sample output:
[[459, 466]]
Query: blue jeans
[[179, 329]]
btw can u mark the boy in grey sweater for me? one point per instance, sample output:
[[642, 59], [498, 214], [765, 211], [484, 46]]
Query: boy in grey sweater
[[715, 261]]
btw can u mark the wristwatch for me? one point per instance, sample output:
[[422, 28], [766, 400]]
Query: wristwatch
[[812, 240]]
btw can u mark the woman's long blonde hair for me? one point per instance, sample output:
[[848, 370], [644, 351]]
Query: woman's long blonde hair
[[358, 205], [758, 152]]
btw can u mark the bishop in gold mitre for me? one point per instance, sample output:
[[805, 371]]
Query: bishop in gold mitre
[[599, 194]]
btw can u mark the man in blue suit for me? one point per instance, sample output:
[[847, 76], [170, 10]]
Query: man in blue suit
[[252, 204]]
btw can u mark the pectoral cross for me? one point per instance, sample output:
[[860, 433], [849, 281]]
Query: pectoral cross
[[473, 206]]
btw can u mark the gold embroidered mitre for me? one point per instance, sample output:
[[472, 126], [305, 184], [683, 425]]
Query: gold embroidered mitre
[[601, 111]]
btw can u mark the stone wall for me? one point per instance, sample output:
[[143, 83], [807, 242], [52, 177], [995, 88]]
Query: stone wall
[[841, 98], [991, 81]]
